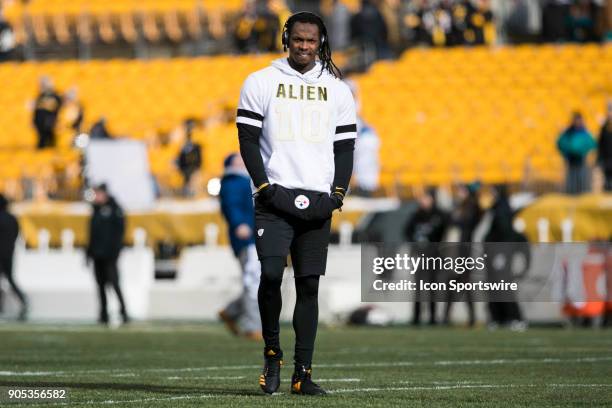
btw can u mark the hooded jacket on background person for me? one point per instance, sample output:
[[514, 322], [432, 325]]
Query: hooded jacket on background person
[[106, 230], [501, 229], [575, 144], [237, 204]]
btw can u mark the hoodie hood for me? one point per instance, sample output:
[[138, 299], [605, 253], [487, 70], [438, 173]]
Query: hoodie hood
[[313, 76]]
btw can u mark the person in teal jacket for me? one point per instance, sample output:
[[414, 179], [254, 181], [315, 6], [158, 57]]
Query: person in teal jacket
[[575, 143]]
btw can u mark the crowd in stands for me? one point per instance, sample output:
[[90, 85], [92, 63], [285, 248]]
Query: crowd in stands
[[385, 27], [558, 20], [382, 29], [378, 28]]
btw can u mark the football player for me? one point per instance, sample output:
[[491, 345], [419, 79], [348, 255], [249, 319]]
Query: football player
[[297, 127]]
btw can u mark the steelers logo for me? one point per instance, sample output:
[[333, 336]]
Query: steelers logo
[[302, 202]]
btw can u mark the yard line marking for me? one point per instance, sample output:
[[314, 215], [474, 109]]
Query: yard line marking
[[207, 378], [579, 385], [112, 402], [338, 380], [466, 362], [421, 388], [333, 365], [438, 382], [458, 386], [337, 391], [182, 397]]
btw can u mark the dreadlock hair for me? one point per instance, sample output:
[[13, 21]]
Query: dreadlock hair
[[324, 48]]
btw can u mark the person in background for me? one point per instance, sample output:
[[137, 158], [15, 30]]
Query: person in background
[[71, 117], [338, 18], [9, 230], [190, 158], [504, 309], [480, 28], [74, 109], [244, 34], [366, 166], [581, 21], [106, 231], [604, 149], [239, 213], [256, 28], [369, 31], [605, 22], [555, 14], [466, 217], [428, 225], [575, 143], [46, 109], [99, 130], [7, 38]]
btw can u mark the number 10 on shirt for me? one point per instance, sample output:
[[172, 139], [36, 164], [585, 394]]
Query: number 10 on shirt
[[312, 126]]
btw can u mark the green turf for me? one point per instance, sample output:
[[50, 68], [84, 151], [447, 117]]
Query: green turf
[[202, 365]]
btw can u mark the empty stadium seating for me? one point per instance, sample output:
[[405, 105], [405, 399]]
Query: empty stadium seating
[[443, 115], [138, 98], [110, 21], [492, 114]]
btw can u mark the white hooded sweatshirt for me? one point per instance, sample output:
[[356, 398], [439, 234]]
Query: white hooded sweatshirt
[[301, 116]]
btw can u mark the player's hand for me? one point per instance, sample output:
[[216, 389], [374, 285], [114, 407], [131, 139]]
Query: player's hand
[[266, 194], [337, 199], [243, 231], [328, 205]]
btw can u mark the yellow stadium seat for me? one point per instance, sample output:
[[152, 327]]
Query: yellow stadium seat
[[474, 113], [487, 111]]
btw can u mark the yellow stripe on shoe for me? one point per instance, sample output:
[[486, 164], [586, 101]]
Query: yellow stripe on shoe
[[297, 387]]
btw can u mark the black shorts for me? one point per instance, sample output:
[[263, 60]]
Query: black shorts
[[280, 234]]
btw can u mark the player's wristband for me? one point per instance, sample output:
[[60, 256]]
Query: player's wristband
[[340, 192], [264, 185]]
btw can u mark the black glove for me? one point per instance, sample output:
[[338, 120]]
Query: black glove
[[327, 206], [266, 194], [338, 200]]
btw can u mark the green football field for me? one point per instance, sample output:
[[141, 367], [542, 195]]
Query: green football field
[[167, 365]]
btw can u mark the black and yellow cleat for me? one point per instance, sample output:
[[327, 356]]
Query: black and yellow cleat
[[302, 384], [269, 380]]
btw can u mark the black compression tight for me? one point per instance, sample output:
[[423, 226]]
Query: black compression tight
[[305, 315], [269, 299], [305, 318]]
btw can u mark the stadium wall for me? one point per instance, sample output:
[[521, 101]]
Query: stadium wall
[[61, 287]]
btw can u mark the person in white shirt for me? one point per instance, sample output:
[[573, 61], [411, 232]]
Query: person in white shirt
[[297, 127]]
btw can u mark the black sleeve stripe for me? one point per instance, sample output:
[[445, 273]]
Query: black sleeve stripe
[[249, 114], [346, 129]]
